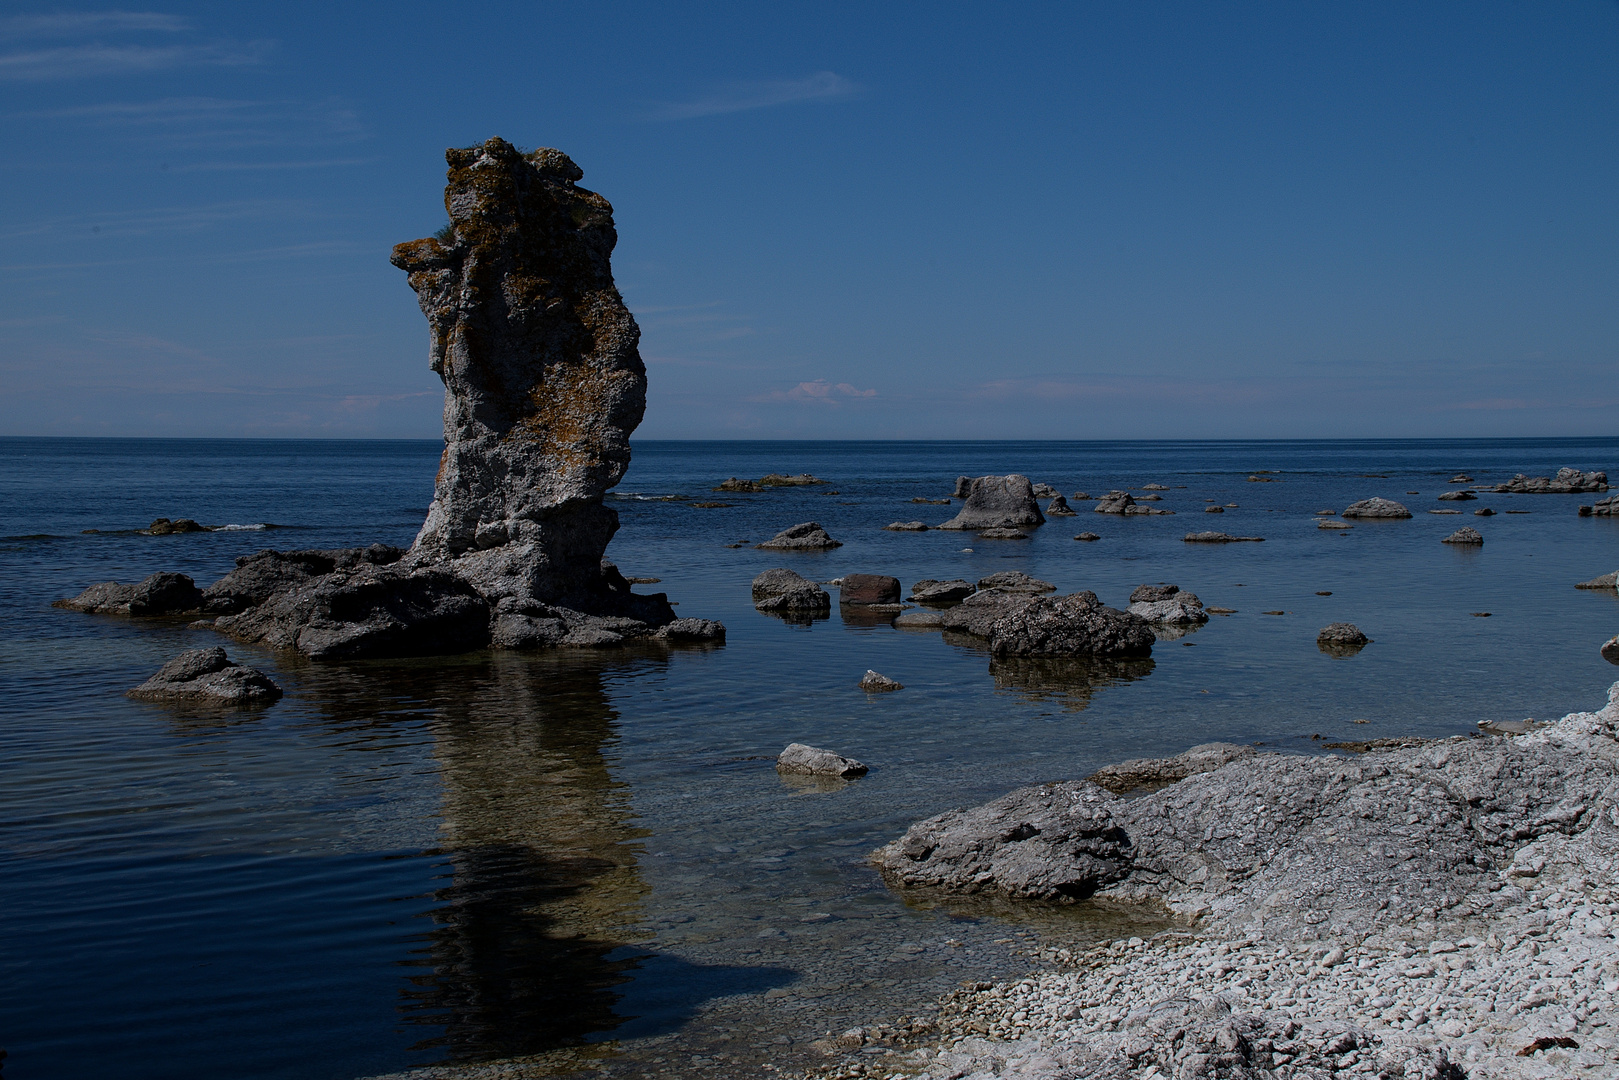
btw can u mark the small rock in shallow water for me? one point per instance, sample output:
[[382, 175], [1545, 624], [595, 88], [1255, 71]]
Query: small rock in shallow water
[[159, 594], [208, 676], [808, 536], [1003, 534], [799, 759], [1376, 508], [1087, 536], [1604, 581], [1341, 639], [1464, 535], [875, 683], [907, 526], [861, 589], [1484, 511]]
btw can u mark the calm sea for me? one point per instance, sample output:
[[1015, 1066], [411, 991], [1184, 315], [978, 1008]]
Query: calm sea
[[410, 863]]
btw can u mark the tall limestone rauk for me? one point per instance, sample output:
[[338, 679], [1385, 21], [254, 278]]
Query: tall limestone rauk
[[543, 386]]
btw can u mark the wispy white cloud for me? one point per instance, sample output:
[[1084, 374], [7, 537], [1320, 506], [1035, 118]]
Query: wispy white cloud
[[746, 96], [215, 122], [818, 392], [84, 61], [265, 166], [80, 23]]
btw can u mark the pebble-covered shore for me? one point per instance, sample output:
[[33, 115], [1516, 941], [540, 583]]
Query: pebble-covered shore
[[1516, 982]]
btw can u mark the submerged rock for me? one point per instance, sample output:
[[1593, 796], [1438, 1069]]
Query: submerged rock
[[1567, 481], [807, 536], [1464, 535], [1376, 507], [874, 683], [995, 502], [802, 760], [1053, 842], [208, 676], [158, 594]]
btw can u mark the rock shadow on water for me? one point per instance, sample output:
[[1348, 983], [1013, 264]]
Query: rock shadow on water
[[1069, 682], [798, 784]]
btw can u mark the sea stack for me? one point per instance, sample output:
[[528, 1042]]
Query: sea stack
[[543, 386]]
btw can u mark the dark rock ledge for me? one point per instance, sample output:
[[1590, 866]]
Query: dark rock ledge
[[543, 386]]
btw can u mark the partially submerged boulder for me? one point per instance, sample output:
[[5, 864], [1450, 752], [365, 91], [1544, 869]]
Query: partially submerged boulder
[[158, 594], [1075, 625], [1058, 507], [1053, 842], [1457, 496], [806, 536], [907, 526], [1602, 581], [1610, 650], [799, 759], [208, 676], [875, 683], [1341, 639], [1464, 535], [165, 527], [781, 591], [1212, 537], [995, 502], [1122, 502], [868, 589], [1167, 605], [1376, 507], [259, 576], [929, 591], [1568, 481]]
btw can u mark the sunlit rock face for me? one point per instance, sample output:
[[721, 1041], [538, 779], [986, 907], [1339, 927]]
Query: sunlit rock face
[[543, 380]]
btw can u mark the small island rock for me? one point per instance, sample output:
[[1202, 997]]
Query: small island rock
[[874, 683], [1464, 535], [799, 759], [1219, 538], [1376, 507], [996, 502], [807, 536], [1058, 507], [209, 676]]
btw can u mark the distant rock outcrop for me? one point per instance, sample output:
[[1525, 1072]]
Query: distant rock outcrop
[[996, 502], [1567, 481], [1376, 507], [1122, 502], [543, 386]]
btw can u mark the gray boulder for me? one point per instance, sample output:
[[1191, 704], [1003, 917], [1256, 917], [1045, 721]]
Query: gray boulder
[[930, 591], [1458, 496], [158, 594], [1342, 639], [1053, 842], [868, 589], [165, 527], [1604, 581], [259, 576], [1167, 605], [1075, 625], [1376, 507], [691, 632], [1153, 593], [907, 526], [1087, 536], [920, 620], [208, 676], [807, 536], [1151, 773], [1058, 507], [1464, 535], [1016, 581], [801, 760], [1567, 481], [1608, 507], [995, 502], [1214, 509], [875, 683], [1046, 491], [979, 611], [1122, 502], [782, 592]]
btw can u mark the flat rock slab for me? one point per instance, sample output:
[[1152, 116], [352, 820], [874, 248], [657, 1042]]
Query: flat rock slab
[[801, 760], [929, 591], [1458, 496], [1016, 581], [1376, 508], [995, 502], [1052, 842], [208, 676], [906, 526], [1219, 538], [1148, 773], [808, 536]]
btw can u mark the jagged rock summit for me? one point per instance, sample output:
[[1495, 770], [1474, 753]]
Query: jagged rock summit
[[543, 386]]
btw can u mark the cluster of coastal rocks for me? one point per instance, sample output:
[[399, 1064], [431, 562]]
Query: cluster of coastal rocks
[[543, 386], [1442, 910]]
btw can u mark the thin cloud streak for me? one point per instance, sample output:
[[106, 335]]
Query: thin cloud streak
[[77, 23], [744, 97], [84, 61], [818, 392]]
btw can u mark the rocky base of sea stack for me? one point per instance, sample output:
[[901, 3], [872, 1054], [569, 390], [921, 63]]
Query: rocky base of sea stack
[[1467, 932]]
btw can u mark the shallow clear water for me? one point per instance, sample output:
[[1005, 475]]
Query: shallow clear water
[[452, 860]]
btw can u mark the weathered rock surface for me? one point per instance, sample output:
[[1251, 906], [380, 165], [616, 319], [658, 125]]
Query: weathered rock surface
[[543, 386], [1484, 511], [1457, 496], [1460, 478], [1016, 581], [1122, 502], [995, 502], [158, 594], [1053, 842], [1075, 625], [1376, 507], [1608, 507], [1464, 535], [929, 591], [782, 591], [1046, 491], [1603, 581], [807, 536], [1151, 773], [1058, 507], [874, 683], [979, 611], [1341, 639], [1167, 605], [1610, 650], [259, 576], [165, 527], [1212, 537], [208, 676], [1214, 509], [1087, 536], [907, 526], [866, 589], [1567, 481], [805, 760]]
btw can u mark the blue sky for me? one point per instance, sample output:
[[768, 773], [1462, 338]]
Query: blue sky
[[909, 221]]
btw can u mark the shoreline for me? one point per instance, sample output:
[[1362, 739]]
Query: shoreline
[[1516, 979]]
